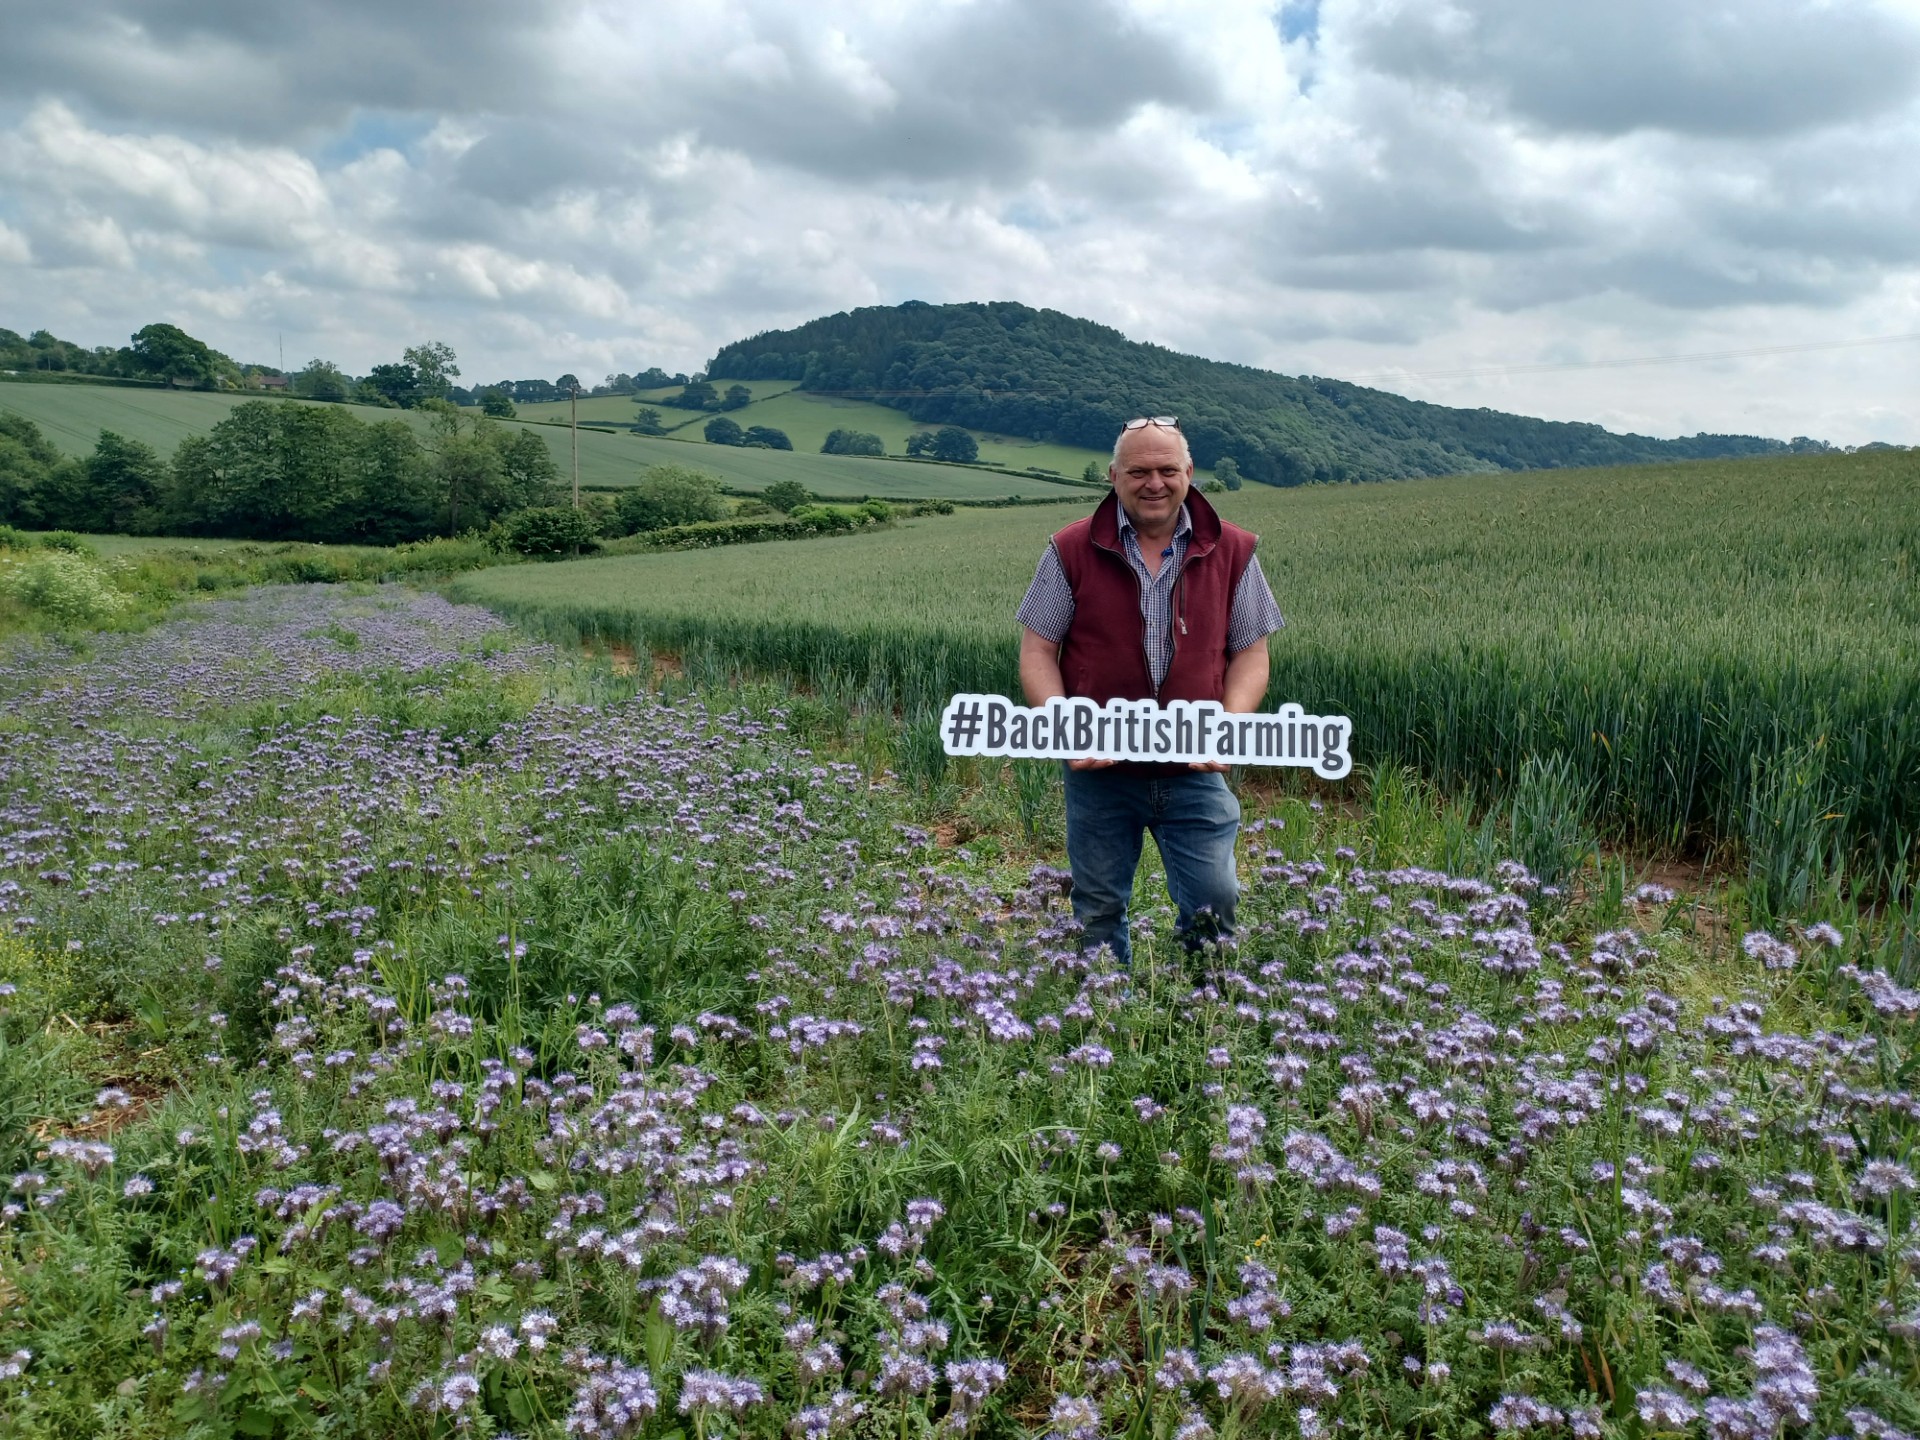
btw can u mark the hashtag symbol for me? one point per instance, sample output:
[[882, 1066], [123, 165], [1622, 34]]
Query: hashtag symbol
[[964, 724]]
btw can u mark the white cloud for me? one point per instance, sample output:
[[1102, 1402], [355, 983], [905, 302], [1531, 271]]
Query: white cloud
[[1336, 186]]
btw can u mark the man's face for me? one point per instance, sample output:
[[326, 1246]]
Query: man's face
[[1151, 476]]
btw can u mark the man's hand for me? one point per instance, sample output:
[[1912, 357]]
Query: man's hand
[[1041, 681], [1245, 688]]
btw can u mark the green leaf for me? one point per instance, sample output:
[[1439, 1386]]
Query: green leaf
[[520, 1405]]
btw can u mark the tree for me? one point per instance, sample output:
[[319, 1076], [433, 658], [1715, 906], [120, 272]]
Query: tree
[[699, 395], [668, 495], [1095, 473], [646, 421], [722, 431], [395, 385], [654, 378], [920, 443], [766, 435], [528, 471], [955, 445], [532, 392], [28, 461], [433, 365], [320, 380], [738, 397], [122, 483], [852, 442], [786, 495], [496, 404], [1227, 471], [169, 353], [301, 472], [566, 385]]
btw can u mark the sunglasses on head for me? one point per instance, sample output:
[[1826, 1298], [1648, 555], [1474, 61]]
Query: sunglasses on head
[[1165, 422]]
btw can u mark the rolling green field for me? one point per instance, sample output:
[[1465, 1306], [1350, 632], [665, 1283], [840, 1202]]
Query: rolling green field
[[1724, 650], [808, 419], [72, 416], [619, 409]]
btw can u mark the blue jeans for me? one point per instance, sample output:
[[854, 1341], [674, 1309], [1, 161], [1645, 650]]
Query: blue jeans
[[1194, 819]]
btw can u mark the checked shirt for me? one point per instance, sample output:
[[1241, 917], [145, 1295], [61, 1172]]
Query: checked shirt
[[1048, 607]]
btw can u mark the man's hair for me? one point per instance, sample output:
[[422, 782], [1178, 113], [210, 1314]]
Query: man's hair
[[1186, 450]]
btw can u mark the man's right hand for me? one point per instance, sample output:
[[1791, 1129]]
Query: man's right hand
[[1090, 764]]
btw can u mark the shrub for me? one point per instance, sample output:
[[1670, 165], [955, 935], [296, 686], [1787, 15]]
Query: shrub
[[767, 436], [668, 495], [12, 539], [722, 431], [441, 555], [784, 495], [68, 541], [548, 530], [827, 519], [65, 587], [878, 510], [852, 442]]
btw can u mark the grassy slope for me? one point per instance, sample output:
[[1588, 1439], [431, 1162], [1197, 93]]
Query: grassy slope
[[808, 418], [1660, 624], [618, 409], [72, 416]]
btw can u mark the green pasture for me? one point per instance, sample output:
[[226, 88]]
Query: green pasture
[[618, 409], [1715, 647], [807, 420], [72, 416]]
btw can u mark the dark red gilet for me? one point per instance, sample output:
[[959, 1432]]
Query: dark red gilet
[[1103, 655]]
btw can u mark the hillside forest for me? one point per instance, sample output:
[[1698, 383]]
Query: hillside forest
[[1015, 370]]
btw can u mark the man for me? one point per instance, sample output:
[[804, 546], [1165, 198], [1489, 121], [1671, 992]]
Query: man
[[1151, 597]]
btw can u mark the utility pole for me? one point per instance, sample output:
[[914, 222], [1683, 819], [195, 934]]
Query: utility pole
[[573, 425]]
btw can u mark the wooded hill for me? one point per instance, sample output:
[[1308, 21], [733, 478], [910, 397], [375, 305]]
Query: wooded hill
[[1011, 369]]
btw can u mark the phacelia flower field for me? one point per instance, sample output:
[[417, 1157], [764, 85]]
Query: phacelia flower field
[[497, 1049]]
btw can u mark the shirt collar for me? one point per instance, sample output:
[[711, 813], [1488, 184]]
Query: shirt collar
[[1181, 526]]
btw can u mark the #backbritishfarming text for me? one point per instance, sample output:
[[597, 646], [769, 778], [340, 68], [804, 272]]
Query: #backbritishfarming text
[[1144, 730]]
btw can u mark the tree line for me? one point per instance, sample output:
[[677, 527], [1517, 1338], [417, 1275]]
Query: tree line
[[1014, 370], [165, 353], [276, 471]]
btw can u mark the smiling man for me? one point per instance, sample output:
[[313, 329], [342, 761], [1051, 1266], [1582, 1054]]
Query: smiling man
[[1153, 596]]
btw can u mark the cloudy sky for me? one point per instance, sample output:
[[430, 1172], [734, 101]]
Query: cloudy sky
[[1479, 202]]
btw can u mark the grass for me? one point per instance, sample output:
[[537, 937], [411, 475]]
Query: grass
[[619, 409], [1679, 633], [72, 416], [127, 583], [807, 419]]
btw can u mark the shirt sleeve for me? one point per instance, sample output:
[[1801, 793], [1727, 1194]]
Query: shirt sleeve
[[1048, 608], [1255, 614]]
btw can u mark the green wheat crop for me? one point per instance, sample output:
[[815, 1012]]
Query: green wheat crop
[[1673, 631]]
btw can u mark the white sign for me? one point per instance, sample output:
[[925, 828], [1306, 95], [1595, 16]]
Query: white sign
[[1181, 731]]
